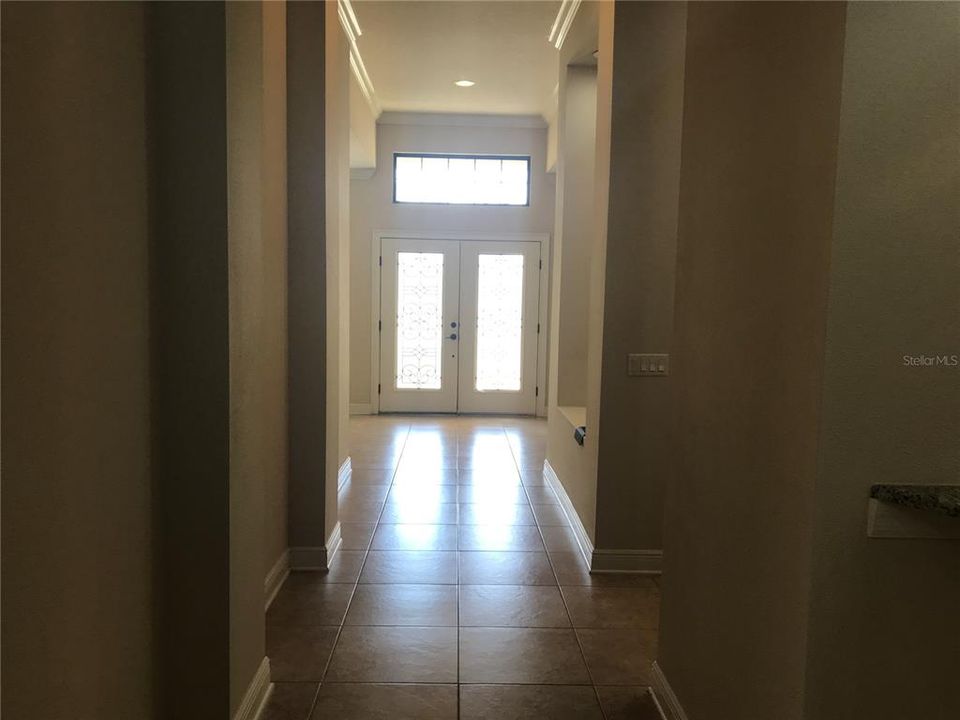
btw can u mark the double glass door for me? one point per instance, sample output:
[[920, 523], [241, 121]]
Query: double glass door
[[458, 326]]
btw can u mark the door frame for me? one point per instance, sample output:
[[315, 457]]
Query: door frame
[[375, 282]]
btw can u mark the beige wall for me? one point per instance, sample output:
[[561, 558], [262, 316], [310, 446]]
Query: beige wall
[[552, 142], [882, 610], [777, 451], [647, 114], [317, 178], [613, 291], [274, 269], [572, 464], [144, 228], [574, 226], [761, 106], [257, 290], [190, 276], [306, 266], [372, 208], [337, 158], [363, 128], [77, 542], [603, 20], [582, 156]]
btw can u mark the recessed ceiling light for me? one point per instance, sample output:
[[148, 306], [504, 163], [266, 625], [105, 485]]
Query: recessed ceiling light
[[464, 83]]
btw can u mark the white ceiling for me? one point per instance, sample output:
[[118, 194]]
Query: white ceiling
[[414, 51]]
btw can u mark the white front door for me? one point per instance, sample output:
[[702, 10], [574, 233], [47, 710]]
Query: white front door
[[499, 305], [459, 325]]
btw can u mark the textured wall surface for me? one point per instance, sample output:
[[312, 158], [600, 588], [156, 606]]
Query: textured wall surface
[[77, 519], [761, 108], [646, 122], [880, 608]]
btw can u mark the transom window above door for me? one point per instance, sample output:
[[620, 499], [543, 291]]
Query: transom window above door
[[461, 179]]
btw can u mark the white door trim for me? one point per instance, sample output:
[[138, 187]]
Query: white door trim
[[375, 245]]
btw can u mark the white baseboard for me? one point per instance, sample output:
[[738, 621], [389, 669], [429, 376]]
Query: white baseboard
[[344, 473], [334, 542], [361, 408], [257, 694], [644, 562], [583, 540], [663, 695], [278, 573]]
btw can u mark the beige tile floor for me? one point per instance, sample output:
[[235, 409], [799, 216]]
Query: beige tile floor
[[459, 591]]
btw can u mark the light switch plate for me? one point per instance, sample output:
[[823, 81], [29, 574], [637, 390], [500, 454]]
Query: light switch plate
[[648, 364]]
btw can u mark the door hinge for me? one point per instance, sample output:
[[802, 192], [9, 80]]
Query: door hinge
[[540, 264], [378, 388], [381, 261], [536, 392], [379, 325], [538, 328]]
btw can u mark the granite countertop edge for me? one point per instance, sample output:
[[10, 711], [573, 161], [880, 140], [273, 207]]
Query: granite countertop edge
[[943, 499]]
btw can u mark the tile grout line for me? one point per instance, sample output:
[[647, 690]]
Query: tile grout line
[[556, 577], [458, 574], [356, 582], [474, 684], [379, 524]]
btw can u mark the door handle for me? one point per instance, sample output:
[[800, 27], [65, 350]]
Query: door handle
[[452, 336]]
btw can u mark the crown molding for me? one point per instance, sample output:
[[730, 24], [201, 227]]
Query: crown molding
[[563, 21], [348, 21], [461, 120], [345, 10], [363, 79]]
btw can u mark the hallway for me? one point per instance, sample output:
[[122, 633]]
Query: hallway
[[459, 591]]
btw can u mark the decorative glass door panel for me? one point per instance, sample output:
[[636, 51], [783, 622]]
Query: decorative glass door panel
[[419, 320], [499, 322], [499, 306], [459, 326], [419, 297]]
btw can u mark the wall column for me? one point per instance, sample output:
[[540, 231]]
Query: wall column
[[632, 425], [187, 121], [318, 267], [761, 110]]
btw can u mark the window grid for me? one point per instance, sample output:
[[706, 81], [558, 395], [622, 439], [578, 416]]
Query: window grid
[[498, 180]]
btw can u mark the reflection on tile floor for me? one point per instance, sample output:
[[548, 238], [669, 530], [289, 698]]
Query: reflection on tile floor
[[459, 591]]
